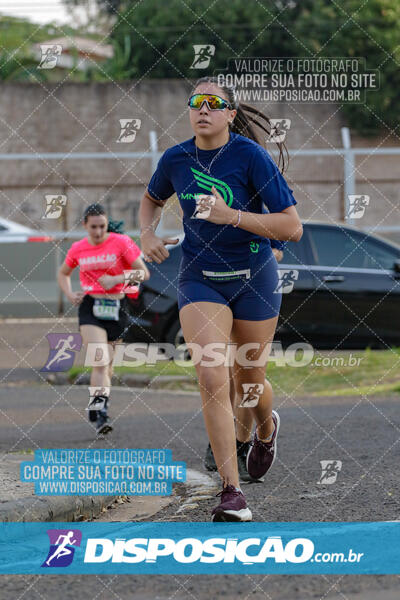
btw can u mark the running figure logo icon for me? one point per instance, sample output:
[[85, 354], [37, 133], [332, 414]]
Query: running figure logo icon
[[202, 55], [54, 206], [203, 206], [330, 470], [287, 277], [98, 396], [279, 129], [251, 394], [61, 551], [133, 276], [62, 351], [357, 206], [129, 128], [50, 54], [132, 279]]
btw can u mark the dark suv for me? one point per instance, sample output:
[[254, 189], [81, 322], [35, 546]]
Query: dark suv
[[346, 293]]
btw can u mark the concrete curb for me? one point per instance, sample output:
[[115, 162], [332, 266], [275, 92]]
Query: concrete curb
[[19, 504], [60, 508], [18, 501], [79, 508], [22, 375], [138, 380]]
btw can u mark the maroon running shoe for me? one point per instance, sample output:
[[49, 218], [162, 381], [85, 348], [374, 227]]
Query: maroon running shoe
[[233, 506], [261, 455]]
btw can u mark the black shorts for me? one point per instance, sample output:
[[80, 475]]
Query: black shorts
[[115, 329]]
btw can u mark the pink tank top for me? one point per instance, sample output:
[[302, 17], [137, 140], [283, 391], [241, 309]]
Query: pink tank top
[[111, 257]]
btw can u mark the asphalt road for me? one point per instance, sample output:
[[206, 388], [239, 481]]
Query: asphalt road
[[364, 435]]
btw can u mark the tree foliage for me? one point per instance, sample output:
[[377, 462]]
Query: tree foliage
[[18, 36], [369, 30], [155, 39], [163, 34]]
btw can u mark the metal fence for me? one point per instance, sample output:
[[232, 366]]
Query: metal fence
[[347, 153], [55, 256]]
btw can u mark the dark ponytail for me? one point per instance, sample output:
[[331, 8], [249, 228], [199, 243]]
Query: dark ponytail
[[115, 226], [247, 118]]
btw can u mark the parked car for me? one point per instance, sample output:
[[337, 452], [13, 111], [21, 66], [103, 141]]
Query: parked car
[[14, 232], [347, 294]]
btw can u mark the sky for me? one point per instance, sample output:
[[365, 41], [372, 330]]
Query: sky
[[37, 11]]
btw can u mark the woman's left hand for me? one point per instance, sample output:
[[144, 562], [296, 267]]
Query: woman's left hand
[[107, 281], [220, 213]]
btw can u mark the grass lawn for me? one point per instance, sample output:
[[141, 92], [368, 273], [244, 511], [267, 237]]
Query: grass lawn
[[328, 374]]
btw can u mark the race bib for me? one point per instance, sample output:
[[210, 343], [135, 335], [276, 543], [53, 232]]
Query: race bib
[[107, 309], [226, 275]]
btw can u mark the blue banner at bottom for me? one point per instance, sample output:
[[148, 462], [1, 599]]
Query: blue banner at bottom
[[200, 548]]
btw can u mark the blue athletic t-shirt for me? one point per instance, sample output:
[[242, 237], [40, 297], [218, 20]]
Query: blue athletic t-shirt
[[245, 176]]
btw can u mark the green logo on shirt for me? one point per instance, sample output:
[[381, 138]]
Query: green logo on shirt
[[254, 246], [189, 196], [206, 182]]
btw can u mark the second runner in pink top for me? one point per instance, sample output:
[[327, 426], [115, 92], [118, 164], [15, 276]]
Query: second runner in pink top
[[111, 257]]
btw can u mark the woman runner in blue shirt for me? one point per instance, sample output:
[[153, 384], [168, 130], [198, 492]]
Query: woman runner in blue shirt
[[228, 274]]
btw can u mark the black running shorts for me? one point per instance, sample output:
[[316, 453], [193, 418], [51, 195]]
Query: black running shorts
[[115, 329]]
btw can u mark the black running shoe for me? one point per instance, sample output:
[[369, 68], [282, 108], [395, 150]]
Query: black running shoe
[[93, 415], [242, 451], [102, 424], [209, 460]]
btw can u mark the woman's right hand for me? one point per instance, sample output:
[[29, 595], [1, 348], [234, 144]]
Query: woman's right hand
[[76, 298], [153, 247]]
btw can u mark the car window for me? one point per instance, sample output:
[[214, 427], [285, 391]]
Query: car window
[[346, 248], [379, 256], [334, 247], [293, 253], [2, 228]]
